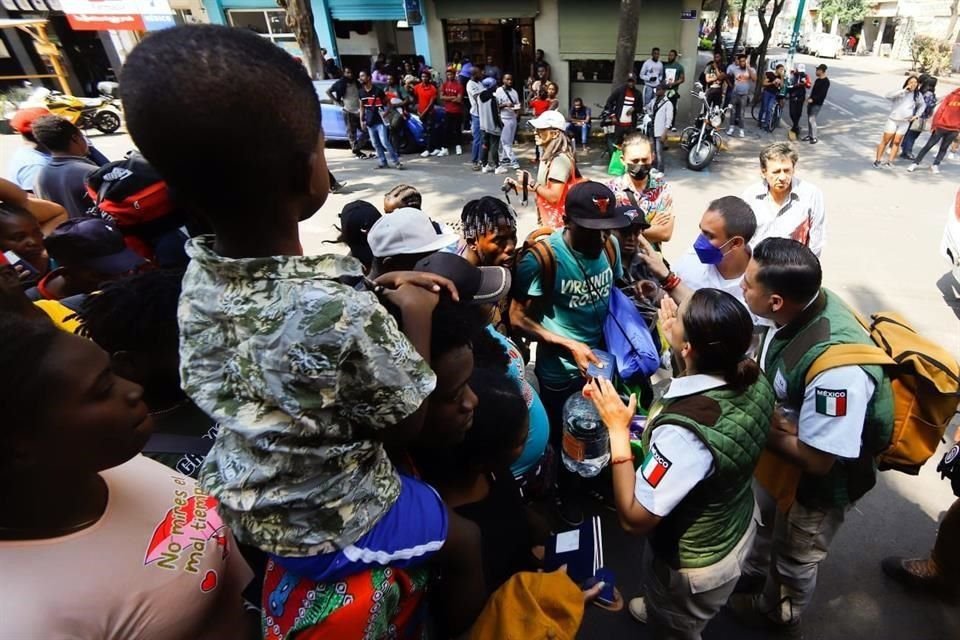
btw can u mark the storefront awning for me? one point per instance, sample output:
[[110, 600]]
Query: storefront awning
[[366, 10]]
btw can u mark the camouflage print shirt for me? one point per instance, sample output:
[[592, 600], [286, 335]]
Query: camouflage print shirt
[[301, 371]]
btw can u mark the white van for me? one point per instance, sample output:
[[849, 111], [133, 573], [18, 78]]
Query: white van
[[826, 45]]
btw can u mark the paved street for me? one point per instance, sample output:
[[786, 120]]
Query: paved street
[[882, 252]]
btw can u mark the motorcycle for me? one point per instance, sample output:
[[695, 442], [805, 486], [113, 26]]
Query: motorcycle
[[103, 113], [702, 140]]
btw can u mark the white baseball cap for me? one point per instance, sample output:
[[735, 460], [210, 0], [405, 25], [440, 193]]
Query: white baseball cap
[[550, 120], [407, 231]]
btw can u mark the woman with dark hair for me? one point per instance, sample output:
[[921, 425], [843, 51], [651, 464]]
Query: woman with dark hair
[[692, 494], [135, 549], [928, 91], [908, 105]]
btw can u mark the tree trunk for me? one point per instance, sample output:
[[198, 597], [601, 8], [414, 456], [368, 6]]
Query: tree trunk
[[952, 28], [626, 40], [766, 27], [718, 27], [835, 25], [299, 18], [743, 16]]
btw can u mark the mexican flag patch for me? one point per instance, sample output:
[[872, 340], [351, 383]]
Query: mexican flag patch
[[655, 466], [831, 402]]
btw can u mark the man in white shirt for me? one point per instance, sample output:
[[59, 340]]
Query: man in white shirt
[[651, 73], [509, 102], [661, 114], [826, 430], [785, 206], [719, 256]]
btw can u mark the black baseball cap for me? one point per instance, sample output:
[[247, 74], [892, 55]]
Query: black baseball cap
[[593, 206], [356, 218], [476, 285], [92, 243], [637, 219]]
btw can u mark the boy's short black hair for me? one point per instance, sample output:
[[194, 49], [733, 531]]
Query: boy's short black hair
[[54, 133], [228, 118], [788, 268], [821, 67]]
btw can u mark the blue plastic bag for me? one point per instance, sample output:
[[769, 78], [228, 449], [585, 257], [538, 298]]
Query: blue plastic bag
[[628, 338]]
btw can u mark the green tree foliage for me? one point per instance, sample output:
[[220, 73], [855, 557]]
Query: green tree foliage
[[846, 11], [930, 55]]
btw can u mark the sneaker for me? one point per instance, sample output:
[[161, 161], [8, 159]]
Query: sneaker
[[638, 609], [673, 128], [476, 166], [425, 154], [742, 134], [436, 153], [752, 611], [487, 169], [337, 186], [951, 156], [515, 165], [459, 150], [911, 168], [729, 131], [918, 574], [888, 165], [814, 141], [443, 153], [935, 169], [380, 166], [367, 156], [500, 170], [793, 135], [398, 167], [876, 165]]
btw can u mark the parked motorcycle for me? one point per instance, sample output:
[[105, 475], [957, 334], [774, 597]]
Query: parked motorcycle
[[103, 113], [702, 140]]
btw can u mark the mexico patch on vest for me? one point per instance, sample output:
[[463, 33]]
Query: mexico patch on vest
[[655, 466], [831, 402]]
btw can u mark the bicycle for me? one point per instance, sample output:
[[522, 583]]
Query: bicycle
[[774, 116]]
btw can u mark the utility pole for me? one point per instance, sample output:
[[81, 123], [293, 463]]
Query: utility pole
[[795, 38]]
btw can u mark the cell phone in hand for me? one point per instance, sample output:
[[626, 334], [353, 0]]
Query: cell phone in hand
[[15, 261]]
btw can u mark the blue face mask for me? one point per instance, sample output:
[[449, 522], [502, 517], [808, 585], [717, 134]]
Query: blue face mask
[[708, 253]]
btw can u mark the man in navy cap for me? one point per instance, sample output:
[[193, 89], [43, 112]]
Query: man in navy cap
[[562, 303], [88, 252]]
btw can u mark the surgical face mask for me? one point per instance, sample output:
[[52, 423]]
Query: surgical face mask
[[638, 171], [708, 253]]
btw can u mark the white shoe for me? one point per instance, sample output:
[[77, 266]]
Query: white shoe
[[730, 131], [443, 153], [515, 165], [912, 167], [951, 156], [500, 170], [459, 150], [742, 134], [934, 169], [436, 152], [425, 154], [487, 169], [638, 609]]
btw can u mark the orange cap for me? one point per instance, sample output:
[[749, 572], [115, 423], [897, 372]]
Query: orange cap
[[22, 121]]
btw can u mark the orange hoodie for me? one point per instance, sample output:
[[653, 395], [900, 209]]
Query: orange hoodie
[[948, 114]]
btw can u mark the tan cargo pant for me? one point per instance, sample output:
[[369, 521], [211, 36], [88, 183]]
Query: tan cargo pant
[[680, 603], [788, 550]]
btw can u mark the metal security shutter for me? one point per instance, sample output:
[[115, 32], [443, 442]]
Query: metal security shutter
[[366, 9], [486, 10]]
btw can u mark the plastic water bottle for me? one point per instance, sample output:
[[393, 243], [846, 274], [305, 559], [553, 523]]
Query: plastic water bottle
[[586, 442]]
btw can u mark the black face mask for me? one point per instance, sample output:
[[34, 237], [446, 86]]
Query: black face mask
[[638, 171]]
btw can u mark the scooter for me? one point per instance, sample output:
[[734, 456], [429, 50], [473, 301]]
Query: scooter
[[702, 140], [103, 113]]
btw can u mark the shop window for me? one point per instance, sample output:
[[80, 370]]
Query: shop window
[[268, 23], [508, 40], [600, 71]]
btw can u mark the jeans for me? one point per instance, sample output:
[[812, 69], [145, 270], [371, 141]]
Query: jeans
[[477, 138], [739, 108], [491, 149], [429, 131], [658, 150], [648, 94], [452, 128], [580, 132], [812, 111], [767, 101], [381, 143], [796, 110], [909, 139], [354, 133], [945, 138], [507, 136]]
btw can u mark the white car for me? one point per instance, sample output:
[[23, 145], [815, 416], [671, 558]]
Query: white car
[[826, 45], [950, 247]]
